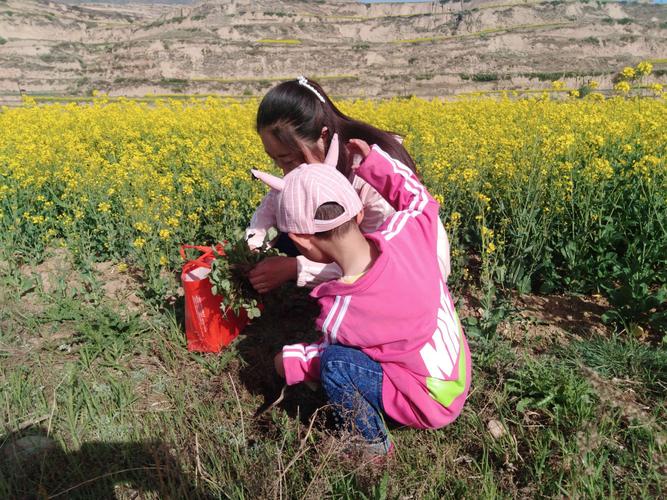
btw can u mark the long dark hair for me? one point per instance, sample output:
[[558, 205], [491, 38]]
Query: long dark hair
[[292, 109]]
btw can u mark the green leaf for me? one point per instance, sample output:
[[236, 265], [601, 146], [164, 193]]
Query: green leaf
[[271, 235], [523, 404]]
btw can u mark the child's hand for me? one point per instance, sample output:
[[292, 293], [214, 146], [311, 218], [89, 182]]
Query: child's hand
[[272, 272], [358, 147]]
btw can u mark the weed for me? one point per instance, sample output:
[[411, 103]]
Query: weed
[[554, 390], [623, 358], [108, 338], [494, 310]]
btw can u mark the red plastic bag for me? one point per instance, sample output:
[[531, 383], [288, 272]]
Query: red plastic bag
[[207, 329]]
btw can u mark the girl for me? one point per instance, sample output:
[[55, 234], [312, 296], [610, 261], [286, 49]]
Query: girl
[[296, 120]]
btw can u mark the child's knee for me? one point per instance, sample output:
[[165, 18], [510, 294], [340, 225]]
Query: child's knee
[[278, 364]]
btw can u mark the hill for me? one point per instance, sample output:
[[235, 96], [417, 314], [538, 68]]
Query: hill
[[240, 47]]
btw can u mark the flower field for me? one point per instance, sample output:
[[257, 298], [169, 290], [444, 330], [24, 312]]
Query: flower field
[[553, 195]]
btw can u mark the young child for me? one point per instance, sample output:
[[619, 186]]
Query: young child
[[392, 342], [295, 121]]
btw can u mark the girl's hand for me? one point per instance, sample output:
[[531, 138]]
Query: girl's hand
[[272, 272], [358, 147]]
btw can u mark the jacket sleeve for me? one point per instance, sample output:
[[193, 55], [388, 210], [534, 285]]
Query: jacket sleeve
[[310, 273], [302, 362], [376, 208], [416, 210], [262, 220]]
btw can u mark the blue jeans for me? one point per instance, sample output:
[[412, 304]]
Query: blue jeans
[[353, 383]]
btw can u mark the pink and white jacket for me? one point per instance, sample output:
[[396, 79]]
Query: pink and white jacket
[[376, 211], [399, 313]]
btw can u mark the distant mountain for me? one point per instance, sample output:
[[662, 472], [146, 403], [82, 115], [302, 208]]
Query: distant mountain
[[242, 47], [128, 2]]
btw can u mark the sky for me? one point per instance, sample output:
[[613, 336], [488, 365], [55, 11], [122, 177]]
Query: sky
[[402, 1]]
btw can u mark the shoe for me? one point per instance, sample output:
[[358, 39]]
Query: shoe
[[369, 453]]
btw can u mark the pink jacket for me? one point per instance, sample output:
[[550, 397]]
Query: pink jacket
[[400, 313]]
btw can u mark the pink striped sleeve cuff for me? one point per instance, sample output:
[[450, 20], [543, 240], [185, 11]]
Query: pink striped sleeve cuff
[[302, 362]]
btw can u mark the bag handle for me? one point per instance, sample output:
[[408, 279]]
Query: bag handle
[[202, 249]]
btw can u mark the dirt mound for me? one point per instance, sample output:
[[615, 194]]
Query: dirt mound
[[57, 274], [120, 287]]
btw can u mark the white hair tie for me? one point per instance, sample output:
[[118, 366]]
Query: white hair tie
[[304, 82]]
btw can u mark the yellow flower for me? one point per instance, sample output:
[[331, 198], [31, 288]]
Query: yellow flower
[[595, 96], [644, 68], [486, 232], [122, 267], [622, 87], [143, 227], [629, 73], [134, 161], [164, 260], [483, 198], [558, 85]]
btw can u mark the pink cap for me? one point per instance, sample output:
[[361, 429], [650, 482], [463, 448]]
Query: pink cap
[[306, 188]]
